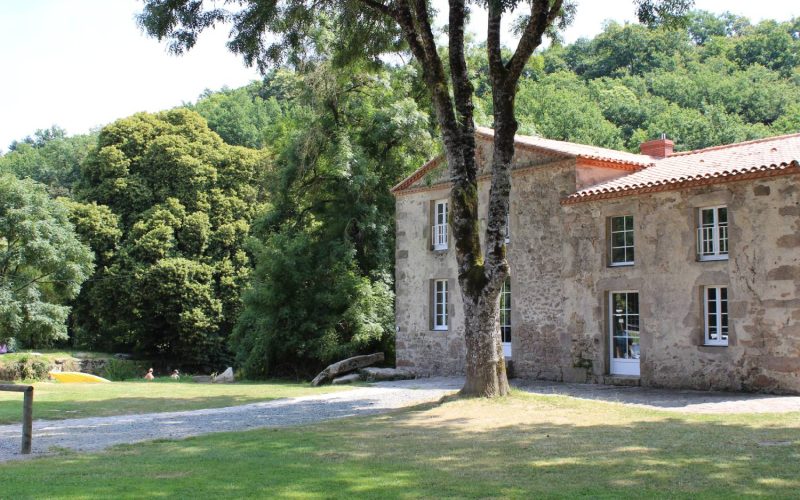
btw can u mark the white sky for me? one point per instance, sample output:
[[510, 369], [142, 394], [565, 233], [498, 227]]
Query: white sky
[[81, 64]]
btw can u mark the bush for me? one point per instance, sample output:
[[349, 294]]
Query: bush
[[26, 368], [120, 369]]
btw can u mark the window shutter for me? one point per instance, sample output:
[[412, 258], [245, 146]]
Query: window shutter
[[431, 304]]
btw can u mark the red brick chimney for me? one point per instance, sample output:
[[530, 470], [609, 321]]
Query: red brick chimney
[[659, 148]]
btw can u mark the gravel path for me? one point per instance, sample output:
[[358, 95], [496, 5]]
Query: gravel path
[[677, 400], [92, 434], [97, 433]]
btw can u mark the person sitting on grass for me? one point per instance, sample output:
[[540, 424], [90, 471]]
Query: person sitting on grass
[[149, 375], [175, 375]]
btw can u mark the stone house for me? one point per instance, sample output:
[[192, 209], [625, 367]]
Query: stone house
[[661, 268]]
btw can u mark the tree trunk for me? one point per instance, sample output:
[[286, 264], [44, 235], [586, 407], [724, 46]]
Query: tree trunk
[[485, 364]]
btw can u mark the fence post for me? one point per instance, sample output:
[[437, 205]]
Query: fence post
[[27, 421], [27, 413]]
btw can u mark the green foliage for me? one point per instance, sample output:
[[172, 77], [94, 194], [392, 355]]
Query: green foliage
[[324, 254], [242, 117], [27, 368], [42, 264], [170, 206], [49, 157], [119, 370], [716, 81]]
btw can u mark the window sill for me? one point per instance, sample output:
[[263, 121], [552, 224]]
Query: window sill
[[711, 258], [439, 329], [621, 264], [713, 345], [439, 249]]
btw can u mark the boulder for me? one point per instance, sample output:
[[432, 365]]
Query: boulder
[[224, 377], [202, 379], [346, 366], [347, 379], [378, 374]]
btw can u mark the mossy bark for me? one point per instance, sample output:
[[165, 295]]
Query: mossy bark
[[480, 273]]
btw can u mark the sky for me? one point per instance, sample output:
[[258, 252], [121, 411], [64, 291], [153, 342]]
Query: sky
[[81, 64]]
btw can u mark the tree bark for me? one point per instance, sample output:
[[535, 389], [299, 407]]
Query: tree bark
[[346, 366], [481, 271]]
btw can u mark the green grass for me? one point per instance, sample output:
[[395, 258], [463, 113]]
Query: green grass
[[50, 355], [58, 401], [523, 447]]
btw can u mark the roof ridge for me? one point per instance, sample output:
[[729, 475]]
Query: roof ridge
[[734, 145], [637, 159]]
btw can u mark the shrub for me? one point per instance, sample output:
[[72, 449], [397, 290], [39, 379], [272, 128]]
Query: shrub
[[121, 369]]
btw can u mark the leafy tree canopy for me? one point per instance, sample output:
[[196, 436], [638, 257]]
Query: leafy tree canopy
[[170, 208], [42, 263], [324, 253], [49, 157]]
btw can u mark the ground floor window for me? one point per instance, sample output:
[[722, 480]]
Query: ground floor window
[[440, 305], [505, 312], [716, 315]]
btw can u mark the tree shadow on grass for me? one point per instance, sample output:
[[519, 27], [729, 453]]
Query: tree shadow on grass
[[420, 453]]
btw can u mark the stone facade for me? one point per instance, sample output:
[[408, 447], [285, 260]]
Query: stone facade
[[561, 279]]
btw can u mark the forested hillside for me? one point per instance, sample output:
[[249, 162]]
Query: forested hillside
[[257, 224], [721, 80]]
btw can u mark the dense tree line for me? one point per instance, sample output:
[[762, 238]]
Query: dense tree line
[[256, 224], [719, 80]]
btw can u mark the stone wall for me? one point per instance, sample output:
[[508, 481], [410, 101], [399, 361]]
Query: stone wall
[[762, 274], [561, 282]]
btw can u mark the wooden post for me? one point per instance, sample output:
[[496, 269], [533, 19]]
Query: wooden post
[[27, 421], [27, 413]]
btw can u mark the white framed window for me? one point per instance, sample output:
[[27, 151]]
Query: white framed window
[[439, 230], [715, 299], [507, 229], [505, 317], [621, 240], [440, 318], [712, 233]]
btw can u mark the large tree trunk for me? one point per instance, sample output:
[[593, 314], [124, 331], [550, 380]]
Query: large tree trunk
[[481, 270], [485, 364]]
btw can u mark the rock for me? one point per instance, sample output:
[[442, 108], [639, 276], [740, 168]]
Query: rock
[[377, 374], [224, 377], [346, 366], [347, 379], [122, 355], [202, 379]]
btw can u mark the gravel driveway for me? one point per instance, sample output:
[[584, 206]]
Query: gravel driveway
[[97, 433], [91, 434]]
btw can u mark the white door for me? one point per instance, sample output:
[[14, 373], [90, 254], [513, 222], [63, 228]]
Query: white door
[[624, 328], [505, 318]]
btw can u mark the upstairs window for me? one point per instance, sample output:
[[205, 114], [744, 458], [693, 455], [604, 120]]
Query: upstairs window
[[440, 305], [712, 234], [439, 230], [716, 315], [621, 238]]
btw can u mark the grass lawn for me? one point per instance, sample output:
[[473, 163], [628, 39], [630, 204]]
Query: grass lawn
[[57, 401], [525, 446]]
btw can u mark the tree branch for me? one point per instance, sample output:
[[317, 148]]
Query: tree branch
[[381, 7], [493, 47], [542, 15]]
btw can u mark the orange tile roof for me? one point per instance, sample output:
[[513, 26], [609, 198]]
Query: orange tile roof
[[758, 158], [572, 149], [546, 146]]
